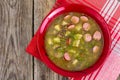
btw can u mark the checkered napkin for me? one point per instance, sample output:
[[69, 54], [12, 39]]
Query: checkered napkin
[[110, 10]]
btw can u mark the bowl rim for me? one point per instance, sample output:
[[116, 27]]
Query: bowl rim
[[73, 8]]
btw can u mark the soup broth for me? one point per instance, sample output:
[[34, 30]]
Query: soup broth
[[74, 41]]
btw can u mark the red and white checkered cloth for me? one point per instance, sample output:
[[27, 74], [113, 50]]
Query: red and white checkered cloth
[[110, 10]]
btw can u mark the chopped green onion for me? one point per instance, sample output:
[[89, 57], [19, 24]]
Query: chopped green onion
[[78, 27], [72, 51], [67, 33], [76, 43], [57, 40], [78, 36]]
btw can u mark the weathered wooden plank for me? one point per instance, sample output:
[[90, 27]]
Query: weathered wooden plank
[[41, 72], [15, 33]]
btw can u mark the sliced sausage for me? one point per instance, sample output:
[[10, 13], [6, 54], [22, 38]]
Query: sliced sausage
[[86, 26], [95, 49], [71, 26], [67, 17], [87, 37], [75, 19], [97, 35], [67, 56], [84, 18]]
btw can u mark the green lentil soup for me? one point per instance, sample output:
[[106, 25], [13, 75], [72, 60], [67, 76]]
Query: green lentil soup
[[74, 41]]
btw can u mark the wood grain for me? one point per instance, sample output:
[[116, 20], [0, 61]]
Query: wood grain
[[15, 33], [41, 72]]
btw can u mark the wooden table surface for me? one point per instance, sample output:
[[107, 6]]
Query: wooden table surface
[[19, 20]]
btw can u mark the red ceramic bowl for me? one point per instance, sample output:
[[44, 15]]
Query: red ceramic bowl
[[80, 9]]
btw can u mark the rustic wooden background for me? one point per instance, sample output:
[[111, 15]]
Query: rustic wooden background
[[19, 20]]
